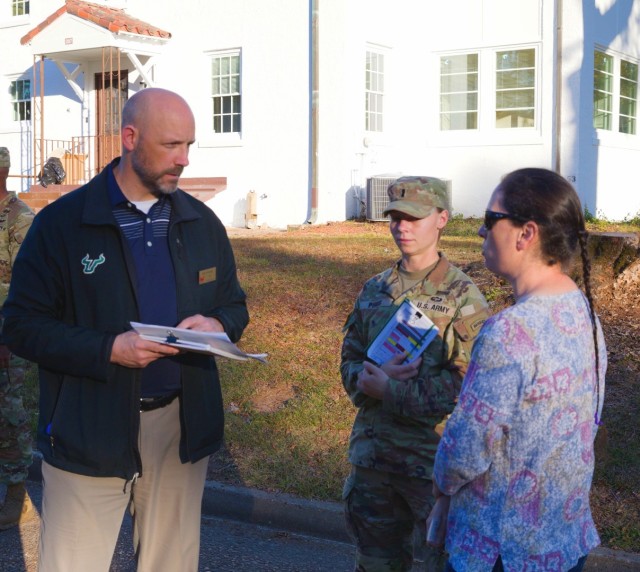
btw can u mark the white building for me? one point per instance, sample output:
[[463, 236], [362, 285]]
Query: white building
[[303, 101]]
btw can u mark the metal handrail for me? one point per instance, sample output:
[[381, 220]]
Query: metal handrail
[[83, 156]]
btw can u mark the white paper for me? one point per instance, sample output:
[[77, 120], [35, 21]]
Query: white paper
[[408, 331], [191, 340]]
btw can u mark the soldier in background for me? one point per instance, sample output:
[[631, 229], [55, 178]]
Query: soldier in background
[[15, 433], [388, 494]]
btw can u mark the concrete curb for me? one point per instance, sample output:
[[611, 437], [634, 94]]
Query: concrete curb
[[608, 560], [323, 519], [326, 520], [278, 510]]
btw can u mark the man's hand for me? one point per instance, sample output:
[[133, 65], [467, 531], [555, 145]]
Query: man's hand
[[201, 324], [402, 372], [130, 350]]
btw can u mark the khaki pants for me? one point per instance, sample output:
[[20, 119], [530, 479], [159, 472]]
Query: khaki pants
[[82, 516]]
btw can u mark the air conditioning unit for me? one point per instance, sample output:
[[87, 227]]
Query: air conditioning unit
[[377, 198]]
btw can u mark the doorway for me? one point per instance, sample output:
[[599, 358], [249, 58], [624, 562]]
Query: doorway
[[112, 92]]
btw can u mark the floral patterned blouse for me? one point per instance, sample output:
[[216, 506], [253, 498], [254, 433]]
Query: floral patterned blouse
[[517, 453]]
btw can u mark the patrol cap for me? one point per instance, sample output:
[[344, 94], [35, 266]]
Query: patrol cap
[[5, 158], [417, 196]]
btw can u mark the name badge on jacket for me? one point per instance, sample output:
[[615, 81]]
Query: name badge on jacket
[[207, 275]]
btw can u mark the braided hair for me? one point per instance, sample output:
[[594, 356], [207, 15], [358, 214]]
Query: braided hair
[[551, 201]]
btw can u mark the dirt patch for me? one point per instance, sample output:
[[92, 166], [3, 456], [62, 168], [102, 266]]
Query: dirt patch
[[268, 399], [329, 229], [239, 232]]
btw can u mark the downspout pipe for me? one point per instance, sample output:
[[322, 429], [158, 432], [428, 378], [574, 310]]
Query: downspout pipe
[[558, 91], [315, 96]]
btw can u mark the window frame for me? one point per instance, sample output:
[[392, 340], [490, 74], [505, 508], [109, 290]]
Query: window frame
[[8, 16], [24, 4], [630, 119], [487, 133], [20, 106], [616, 95], [451, 111], [501, 90], [229, 99], [374, 89]]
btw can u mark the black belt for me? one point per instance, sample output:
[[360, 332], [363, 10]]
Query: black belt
[[151, 403]]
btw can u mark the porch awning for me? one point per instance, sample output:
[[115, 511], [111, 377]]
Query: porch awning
[[79, 32]]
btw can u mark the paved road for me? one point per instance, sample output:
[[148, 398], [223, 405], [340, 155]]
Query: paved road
[[226, 546], [229, 545]]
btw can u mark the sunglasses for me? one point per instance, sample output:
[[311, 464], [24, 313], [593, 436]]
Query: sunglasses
[[492, 217]]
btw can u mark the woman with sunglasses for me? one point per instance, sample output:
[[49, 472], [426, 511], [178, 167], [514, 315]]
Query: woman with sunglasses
[[516, 458]]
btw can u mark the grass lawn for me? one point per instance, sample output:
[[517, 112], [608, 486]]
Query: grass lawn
[[288, 422]]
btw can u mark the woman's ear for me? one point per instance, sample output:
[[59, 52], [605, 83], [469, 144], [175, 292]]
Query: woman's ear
[[443, 218], [528, 235]]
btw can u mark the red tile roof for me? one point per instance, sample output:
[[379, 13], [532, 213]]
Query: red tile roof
[[111, 19]]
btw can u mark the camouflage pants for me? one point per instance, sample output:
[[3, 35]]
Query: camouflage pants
[[15, 433], [385, 512]]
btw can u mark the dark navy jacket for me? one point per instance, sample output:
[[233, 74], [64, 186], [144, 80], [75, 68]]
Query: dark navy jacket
[[73, 291]]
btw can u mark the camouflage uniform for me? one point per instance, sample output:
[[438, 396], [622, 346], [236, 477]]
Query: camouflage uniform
[[394, 440], [15, 433]]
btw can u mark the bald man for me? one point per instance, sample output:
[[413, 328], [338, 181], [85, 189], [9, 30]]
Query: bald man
[[126, 421]]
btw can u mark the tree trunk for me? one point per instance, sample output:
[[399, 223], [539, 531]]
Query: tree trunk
[[615, 263]]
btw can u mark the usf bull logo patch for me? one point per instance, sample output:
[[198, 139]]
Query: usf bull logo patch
[[89, 265]]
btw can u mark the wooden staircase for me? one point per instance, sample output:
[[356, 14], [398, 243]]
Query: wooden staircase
[[203, 188]]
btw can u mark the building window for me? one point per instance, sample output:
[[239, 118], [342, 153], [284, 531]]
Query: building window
[[602, 91], [21, 99], [226, 93], [615, 93], [628, 97], [474, 99], [19, 7], [515, 88], [459, 92], [374, 91]]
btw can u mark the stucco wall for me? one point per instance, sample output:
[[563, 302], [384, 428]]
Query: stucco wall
[[273, 154]]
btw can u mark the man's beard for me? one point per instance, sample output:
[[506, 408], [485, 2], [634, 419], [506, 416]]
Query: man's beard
[[152, 179]]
